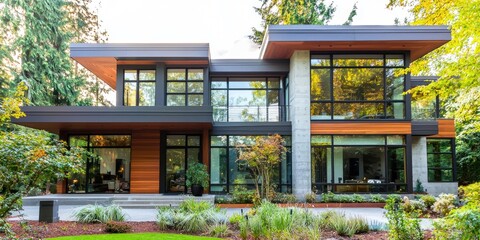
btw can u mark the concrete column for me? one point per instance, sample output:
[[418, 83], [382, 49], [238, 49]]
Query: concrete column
[[420, 170], [300, 117]]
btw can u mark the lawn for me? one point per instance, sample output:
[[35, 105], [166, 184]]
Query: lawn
[[134, 236]]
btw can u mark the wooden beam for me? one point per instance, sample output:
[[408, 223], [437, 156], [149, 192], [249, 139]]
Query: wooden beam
[[446, 129], [368, 128]]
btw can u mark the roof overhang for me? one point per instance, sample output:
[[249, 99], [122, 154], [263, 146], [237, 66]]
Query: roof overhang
[[281, 41], [56, 119], [102, 58]]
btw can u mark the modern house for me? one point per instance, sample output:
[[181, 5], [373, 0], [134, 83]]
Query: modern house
[[335, 93]]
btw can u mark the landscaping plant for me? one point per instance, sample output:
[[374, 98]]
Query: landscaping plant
[[117, 227], [400, 226], [444, 204], [99, 214], [197, 175]]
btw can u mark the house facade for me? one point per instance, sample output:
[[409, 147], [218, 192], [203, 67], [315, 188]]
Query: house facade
[[335, 93]]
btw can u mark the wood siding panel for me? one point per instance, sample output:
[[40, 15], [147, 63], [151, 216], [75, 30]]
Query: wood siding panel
[[145, 164], [369, 128], [446, 129]]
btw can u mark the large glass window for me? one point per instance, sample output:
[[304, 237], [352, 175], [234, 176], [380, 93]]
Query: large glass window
[[440, 159], [354, 86], [226, 172], [181, 151], [139, 88], [239, 99], [109, 172], [184, 87], [358, 163]]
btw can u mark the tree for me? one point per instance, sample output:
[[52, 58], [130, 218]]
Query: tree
[[456, 63], [262, 157], [37, 35], [288, 12]]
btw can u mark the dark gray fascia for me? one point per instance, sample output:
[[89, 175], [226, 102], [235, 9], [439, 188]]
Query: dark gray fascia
[[248, 66], [422, 80], [77, 114], [424, 128], [251, 128], [141, 50]]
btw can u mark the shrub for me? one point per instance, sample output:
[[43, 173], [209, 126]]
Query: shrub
[[376, 198], [428, 200], [444, 204], [99, 214], [235, 218], [413, 206], [471, 193], [311, 197], [400, 226], [117, 227], [461, 223], [219, 230], [419, 187], [327, 197], [376, 226], [341, 225], [360, 224], [357, 198], [241, 194], [284, 198]]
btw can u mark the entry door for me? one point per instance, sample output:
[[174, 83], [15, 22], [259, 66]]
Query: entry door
[[181, 150]]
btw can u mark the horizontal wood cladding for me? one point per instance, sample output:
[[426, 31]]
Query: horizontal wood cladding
[[446, 129], [370, 128], [145, 164]]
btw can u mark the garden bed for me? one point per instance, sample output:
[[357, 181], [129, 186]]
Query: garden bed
[[308, 205]]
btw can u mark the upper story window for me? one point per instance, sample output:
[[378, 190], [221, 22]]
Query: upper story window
[[246, 99], [427, 108], [139, 88], [184, 87], [357, 86]]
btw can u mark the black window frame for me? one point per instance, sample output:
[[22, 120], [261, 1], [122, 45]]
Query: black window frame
[[186, 81], [386, 102], [452, 153], [137, 82]]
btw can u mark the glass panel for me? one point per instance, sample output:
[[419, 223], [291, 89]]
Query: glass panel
[[175, 169], [321, 111], [218, 84], [195, 87], [394, 60], [239, 172], [219, 97], [358, 60], [320, 60], [147, 75], [130, 94], [247, 84], [218, 140], [195, 74], [193, 155], [146, 94], [439, 160], [130, 75], [440, 175], [110, 172], [396, 165], [360, 84], [395, 140], [394, 88], [175, 140], [360, 165], [358, 140], [110, 140], [321, 140], [175, 87], [175, 100], [395, 110], [273, 83], [358, 111], [76, 183], [218, 165], [273, 97], [247, 98], [220, 114], [320, 88], [193, 141], [241, 140], [78, 141], [176, 74], [320, 156], [288, 140], [423, 108], [195, 100], [439, 146]]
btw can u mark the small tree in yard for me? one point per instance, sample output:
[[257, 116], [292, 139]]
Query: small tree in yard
[[261, 158], [28, 161]]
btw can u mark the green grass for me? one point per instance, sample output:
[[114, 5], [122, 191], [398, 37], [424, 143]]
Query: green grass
[[134, 236]]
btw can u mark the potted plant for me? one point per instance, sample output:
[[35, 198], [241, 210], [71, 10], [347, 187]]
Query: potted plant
[[197, 178]]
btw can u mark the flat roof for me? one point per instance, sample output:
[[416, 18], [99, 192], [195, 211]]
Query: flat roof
[[102, 58], [281, 41]]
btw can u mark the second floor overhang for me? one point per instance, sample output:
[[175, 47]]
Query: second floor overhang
[[56, 119]]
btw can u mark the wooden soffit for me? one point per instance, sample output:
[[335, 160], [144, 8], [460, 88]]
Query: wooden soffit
[[368, 128]]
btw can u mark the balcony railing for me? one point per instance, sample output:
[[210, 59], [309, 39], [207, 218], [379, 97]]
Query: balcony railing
[[250, 113]]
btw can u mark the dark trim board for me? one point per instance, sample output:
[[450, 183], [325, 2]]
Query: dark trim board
[[424, 128], [252, 128], [248, 66]]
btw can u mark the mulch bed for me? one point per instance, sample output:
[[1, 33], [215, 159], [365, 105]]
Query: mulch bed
[[38, 230]]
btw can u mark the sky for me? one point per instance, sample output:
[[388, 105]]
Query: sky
[[225, 24]]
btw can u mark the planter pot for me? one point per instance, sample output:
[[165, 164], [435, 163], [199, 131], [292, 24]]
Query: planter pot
[[197, 190]]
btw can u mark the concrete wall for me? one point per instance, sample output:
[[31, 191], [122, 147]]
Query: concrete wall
[[420, 169], [300, 117]]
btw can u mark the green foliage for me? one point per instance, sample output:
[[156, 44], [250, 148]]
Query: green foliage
[[444, 204], [399, 224], [471, 193], [117, 227], [241, 194], [413, 208], [462, 223], [99, 214], [235, 218], [197, 174], [284, 198], [219, 230], [419, 187], [468, 155], [376, 198], [311, 197], [262, 157], [377, 226], [428, 200], [190, 216], [285, 12]]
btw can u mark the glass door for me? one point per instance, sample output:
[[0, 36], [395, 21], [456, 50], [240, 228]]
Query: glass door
[[180, 151]]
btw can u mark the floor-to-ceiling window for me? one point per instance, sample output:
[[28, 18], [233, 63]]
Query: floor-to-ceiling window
[[181, 151], [358, 163], [226, 172], [357, 86], [109, 170], [441, 160]]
